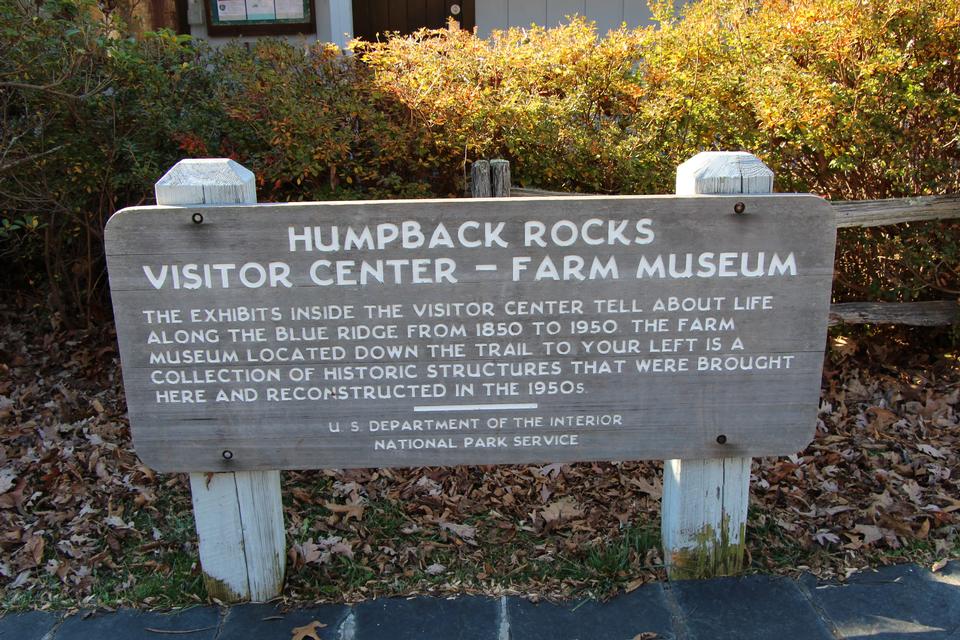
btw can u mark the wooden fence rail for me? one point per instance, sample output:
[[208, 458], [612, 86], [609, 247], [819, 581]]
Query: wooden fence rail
[[876, 213], [871, 213], [858, 213], [917, 314]]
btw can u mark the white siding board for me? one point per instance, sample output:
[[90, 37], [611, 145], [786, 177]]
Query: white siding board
[[521, 13], [491, 15], [335, 17], [608, 14], [324, 20], [559, 10], [636, 13]]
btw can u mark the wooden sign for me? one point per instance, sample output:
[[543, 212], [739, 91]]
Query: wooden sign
[[429, 332]]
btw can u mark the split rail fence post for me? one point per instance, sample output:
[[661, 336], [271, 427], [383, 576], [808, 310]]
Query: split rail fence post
[[500, 178], [239, 515], [480, 179], [704, 508], [490, 178]]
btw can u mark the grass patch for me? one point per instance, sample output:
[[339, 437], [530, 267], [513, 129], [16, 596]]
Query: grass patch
[[401, 556]]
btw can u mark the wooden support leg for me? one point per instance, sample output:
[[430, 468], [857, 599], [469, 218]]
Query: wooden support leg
[[704, 516], [239, 519]]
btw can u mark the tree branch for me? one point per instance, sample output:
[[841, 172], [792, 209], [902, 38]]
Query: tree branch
[[15, 163]]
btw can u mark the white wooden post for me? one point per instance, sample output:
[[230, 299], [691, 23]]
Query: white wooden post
[[239, 516], [704, 508]]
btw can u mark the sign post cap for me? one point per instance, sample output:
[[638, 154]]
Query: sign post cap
[[723, 172], [206, 181]]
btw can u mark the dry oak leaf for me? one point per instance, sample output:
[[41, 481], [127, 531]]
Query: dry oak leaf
[[870, 533], [7, 476], [564, 508], [633, 586], [652, 489], [551, 470], [463, 531], [913, 490], [844, 346], [14, 498], [310, 551], [307, 631], [354, 510], [34, 550], [883, 418], [823, 537], [930, 450]]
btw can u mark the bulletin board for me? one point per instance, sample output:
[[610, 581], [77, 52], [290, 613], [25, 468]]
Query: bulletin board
[[260, 17]]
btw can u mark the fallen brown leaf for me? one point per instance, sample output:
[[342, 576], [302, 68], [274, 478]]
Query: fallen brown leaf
[[354, 511], [463, 531], [562, 509], [307, 631]]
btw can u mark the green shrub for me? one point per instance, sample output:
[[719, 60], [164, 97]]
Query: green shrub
[[850, 99], [558, 102], [92, 120], [88, 123], [311, 125]]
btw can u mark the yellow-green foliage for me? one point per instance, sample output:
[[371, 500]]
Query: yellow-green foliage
[[561, 100], [851, 99], [311, 125]]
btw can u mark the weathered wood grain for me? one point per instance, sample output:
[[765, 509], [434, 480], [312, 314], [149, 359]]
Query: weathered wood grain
[[662, 415], [863, 213], [239, 520], [264, 535], [500, 178], [919, 314], [869, 213], [480, 179], [533, 192], [216, 514], [703, 516], [206, 181], [669, 414], [728, 172], [875, 213]]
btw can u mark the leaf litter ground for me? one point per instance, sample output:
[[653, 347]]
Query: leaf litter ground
[[84, 523]]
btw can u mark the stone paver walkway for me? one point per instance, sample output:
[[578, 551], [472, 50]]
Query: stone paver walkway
[[906, 601]]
